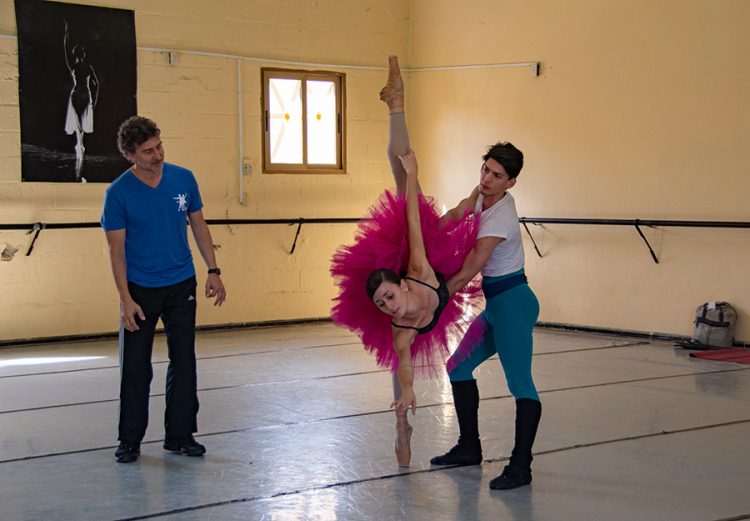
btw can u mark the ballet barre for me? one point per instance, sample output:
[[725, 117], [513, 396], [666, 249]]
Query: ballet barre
[[637, 223], [37, 227]]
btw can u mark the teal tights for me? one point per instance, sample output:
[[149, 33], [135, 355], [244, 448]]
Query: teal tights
[[510, 318]]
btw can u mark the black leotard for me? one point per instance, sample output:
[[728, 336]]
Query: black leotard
[[443, 298]]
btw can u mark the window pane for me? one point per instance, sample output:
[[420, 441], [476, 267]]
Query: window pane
[[285, 125], [321, 122]]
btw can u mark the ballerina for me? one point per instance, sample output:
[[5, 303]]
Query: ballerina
[[407, 322], [83, 97]]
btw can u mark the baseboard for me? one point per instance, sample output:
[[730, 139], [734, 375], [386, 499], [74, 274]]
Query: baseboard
[[666, 337], [20, 342]]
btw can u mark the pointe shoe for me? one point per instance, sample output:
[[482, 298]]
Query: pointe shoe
[[403, 445], [393, 92]]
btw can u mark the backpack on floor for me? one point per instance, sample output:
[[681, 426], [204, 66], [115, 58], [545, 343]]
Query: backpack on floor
[[714, 326]]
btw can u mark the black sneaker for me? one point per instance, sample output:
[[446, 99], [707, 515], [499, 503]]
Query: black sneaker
[[187, 446], [128, 451], [511, 478], [460, 455]]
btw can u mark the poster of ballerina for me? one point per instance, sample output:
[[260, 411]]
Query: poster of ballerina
[[77, 83]]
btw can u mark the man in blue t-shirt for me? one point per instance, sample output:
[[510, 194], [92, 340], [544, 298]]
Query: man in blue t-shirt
[[145, 216]]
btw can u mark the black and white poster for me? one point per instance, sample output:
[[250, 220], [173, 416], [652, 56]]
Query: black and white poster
[[77, 83]]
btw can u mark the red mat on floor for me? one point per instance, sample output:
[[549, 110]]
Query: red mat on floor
[[738, 355]]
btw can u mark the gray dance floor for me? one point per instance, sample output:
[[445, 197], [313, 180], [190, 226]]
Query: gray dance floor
[[297, 427]]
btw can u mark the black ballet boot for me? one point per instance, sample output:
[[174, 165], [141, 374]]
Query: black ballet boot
[[468, 450], [517, 472]]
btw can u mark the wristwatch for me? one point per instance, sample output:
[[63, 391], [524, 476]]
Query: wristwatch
[[214, 270]]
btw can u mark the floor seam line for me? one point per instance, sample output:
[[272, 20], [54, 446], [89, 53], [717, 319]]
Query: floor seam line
[[346, 416], [239, 386], [159, 362]]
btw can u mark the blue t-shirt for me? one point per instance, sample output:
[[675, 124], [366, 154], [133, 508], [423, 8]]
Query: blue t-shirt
[[157, 252]]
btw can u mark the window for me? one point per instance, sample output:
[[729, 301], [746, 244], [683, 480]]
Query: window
[[303, 121]]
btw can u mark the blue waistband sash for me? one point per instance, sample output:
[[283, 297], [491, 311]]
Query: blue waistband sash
[[493, 289]]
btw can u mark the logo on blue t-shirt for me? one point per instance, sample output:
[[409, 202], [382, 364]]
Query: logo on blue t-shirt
[[181, 202]]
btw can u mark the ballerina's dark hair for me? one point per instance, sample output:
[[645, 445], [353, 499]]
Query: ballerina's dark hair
[[377, 277]]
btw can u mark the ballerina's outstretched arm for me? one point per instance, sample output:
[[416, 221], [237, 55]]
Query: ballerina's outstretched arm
[[68, 51], [419, 266], [402, 341]]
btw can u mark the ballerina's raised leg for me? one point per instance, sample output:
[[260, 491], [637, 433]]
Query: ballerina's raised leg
[[398, 145]]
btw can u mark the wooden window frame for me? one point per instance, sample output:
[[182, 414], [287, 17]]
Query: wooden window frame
[[304, 168]]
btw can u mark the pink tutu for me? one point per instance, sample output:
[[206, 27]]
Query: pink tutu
[[381, 241]]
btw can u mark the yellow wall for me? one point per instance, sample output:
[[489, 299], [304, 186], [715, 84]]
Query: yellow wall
[[641, 111], [65, 287]]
